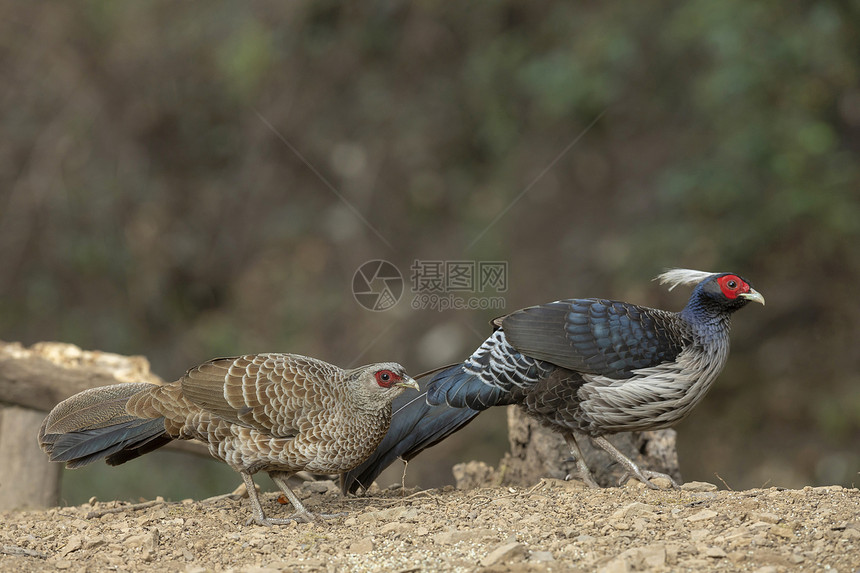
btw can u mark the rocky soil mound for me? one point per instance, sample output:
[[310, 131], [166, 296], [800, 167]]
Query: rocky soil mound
[[552, 526]]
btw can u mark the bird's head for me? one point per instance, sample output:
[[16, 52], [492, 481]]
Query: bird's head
[[378, 384], [726, 291]]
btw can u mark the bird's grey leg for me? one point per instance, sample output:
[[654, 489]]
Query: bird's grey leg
[[631, 467], [584, 472], [258, 515], [257, 509], [301, 514]]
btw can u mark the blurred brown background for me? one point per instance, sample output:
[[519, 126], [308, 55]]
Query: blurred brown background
[[189, 180]]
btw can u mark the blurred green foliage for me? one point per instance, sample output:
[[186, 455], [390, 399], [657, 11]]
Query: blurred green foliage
[[186, 180]]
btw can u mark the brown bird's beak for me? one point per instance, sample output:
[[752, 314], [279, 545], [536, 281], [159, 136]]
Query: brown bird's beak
[[408, 382], [753, 295]]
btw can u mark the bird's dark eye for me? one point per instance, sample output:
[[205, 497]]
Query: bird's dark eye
[[385, 377], [732, 284]]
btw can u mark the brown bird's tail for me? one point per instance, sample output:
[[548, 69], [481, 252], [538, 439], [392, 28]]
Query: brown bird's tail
[[94, 424]]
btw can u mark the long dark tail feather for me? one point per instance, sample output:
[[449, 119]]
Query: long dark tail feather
[[460, 389], [415, 426], [94, 424]]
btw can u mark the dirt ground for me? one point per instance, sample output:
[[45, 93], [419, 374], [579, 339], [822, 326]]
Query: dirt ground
[[552, 526]]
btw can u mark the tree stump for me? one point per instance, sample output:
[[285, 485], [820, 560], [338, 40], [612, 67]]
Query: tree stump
[[27, 478], [538, 452], [32, 381]]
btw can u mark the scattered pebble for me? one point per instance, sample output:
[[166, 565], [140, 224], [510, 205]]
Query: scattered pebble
[[504, 553], [698, 486]]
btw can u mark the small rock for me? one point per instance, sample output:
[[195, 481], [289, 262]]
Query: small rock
[[392, 527], [851, 533], [471, 475], [73, 544], [715, 553], [137, 540], [62, 564], [661, 482], [362, 545], [738, 556], [503, 553], [766, 517], [635, 508], [703, 515], [617, 565], [783, 532], [698, 486], [541, 556], [455, 536], [654, 556]]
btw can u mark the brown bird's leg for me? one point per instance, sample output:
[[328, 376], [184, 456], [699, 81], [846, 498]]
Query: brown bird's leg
[[301, 514], [643, 476], [257, 510], [584, 472]]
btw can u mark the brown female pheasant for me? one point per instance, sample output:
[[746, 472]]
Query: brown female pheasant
[[278, 413]]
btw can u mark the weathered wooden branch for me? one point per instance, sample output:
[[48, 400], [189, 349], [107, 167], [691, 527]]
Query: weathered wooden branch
[[48, 372], [32, 381]]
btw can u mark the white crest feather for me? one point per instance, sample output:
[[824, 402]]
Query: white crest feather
[[675, 277]]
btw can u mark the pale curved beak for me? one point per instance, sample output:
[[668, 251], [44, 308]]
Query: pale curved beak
[[753, 295], [410, 383]]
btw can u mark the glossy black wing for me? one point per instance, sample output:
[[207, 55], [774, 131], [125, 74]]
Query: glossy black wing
[[595, 336]]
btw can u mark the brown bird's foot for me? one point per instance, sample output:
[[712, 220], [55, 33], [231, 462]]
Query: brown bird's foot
[[308, 517], [576, 453], [298, 517], [643, 476], [302, 515]]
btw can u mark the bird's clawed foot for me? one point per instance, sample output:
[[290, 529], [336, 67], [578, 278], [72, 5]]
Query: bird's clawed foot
[[585, 477], [645, 477], [298, 517], [576, 456]]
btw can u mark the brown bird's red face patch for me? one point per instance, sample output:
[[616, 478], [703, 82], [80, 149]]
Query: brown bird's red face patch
[[386, 378]]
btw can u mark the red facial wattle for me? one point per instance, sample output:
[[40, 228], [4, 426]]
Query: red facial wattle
[[732, 286], [386, 378]]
